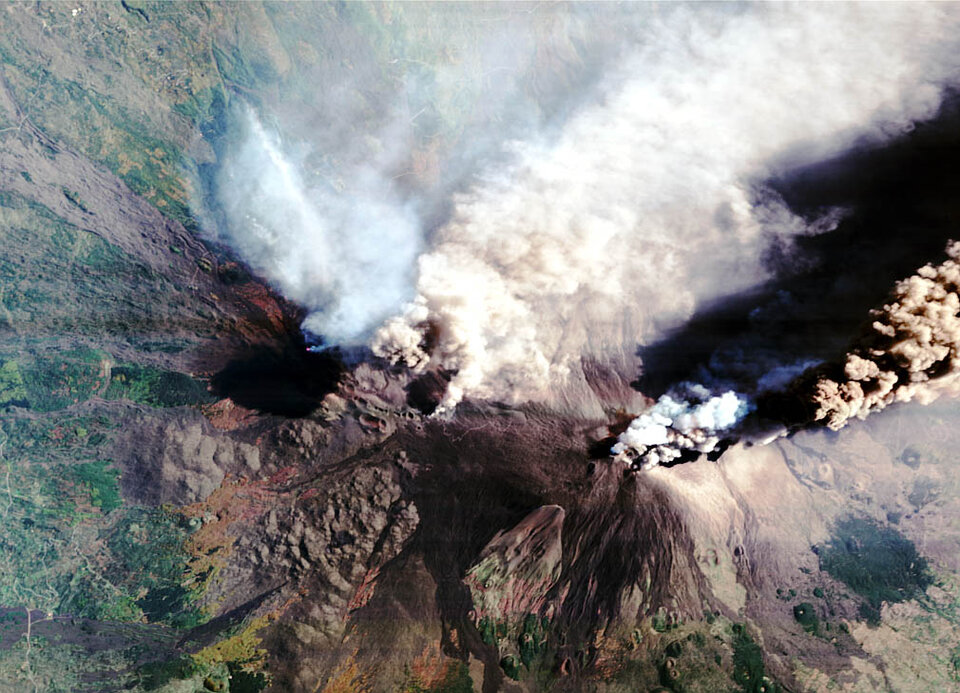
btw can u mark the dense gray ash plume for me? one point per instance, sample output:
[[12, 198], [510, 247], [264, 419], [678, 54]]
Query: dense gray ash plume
[[577, 241], [909, 353], [648, 201], [332, 190]]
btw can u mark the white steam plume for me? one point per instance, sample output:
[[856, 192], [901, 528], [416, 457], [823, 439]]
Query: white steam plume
[[647, 202], [690, 418], [334, 216], [347, 256]]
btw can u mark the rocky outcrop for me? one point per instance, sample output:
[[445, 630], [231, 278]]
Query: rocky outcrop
[[518, 566], [181, 460], [333, 543]]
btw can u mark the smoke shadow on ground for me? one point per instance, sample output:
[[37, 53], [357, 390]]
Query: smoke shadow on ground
[[283, 379], [904, 198]]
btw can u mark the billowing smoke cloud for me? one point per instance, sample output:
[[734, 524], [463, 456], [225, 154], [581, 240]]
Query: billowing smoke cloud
[[649, 201], [330, 187], [911, 352], [348, 256]]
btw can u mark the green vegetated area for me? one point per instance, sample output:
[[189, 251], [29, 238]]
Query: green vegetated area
[[56, 280], [77, 655], [814, 611], [156, 387], [527, 652], [693, 657], [61, 668], [806, 615], [236, 663], [147, 550], [876, 562], [704, 656], [155, 676], [70, 545], [748, 667], [53, 380], [527, 647], [186, 673], [712, 656]]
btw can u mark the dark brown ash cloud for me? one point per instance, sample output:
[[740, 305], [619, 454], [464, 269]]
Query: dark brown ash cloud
[[910, 352]]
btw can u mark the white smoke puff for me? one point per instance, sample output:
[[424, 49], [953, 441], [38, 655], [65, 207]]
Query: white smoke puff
[[347, 256], [716, 414], [674, 424], [913, 353], [647, 430], [643, 205]]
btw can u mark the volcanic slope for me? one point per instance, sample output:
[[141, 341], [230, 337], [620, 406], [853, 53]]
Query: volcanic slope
[[191, 502]]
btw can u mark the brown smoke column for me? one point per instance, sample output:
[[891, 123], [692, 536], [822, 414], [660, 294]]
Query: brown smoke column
[[910, 352]]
